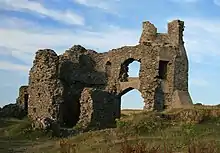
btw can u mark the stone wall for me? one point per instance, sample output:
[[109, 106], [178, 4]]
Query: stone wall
[[77, 70], [98, 108], [85, 87], [23, 97], [45, 89]]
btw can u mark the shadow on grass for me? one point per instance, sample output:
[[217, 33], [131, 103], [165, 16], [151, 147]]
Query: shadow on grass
[[4, 123], [17, 134]]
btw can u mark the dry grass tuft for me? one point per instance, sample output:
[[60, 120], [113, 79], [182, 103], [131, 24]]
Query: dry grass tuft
[[199, 147], [67, 147], [194, 147]]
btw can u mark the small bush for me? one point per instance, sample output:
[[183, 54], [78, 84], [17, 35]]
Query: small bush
[[12, 111], [138, 148], [143, 147], [201, 147], [121, 123]]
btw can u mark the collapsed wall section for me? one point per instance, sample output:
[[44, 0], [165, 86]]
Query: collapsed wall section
[[78, 69]]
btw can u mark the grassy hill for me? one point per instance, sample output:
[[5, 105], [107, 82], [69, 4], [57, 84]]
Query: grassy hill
[[195, 130]]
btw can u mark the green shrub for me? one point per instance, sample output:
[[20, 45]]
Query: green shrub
[[12, 111], [142, 123]]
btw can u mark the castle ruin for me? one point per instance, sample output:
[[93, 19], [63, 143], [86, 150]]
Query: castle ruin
[[85, 87]]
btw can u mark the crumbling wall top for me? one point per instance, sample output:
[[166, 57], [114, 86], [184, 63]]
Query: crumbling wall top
[[173, 36], [175, 31], [149, 32], [23, 88], [45, 53]]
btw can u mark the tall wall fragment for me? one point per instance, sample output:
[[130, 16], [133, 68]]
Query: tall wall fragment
[[23, 97]]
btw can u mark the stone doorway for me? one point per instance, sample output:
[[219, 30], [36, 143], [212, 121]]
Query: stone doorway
[[70, 112], [161, 88], [163, 69]]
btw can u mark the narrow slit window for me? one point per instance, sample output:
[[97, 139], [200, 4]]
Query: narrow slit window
[[163, 69], [26, 101]]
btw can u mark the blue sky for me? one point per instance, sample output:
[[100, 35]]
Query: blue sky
[[29, 25]]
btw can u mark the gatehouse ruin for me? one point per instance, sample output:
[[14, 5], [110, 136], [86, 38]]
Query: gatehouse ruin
[[84, 87]]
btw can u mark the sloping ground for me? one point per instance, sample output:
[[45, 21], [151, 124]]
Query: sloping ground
[[16, 136], [175, 131]]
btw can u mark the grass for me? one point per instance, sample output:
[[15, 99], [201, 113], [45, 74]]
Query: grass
[[17, 135], [137, 132]]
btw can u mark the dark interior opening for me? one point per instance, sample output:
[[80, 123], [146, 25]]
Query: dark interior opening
[[49, 110], [108, 69], [34, 110], [70, 111], [163, 69], [26, 102]]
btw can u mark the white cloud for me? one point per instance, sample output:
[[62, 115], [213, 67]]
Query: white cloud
[[53, 38], [185, 1], [201, 38], [108, 5], [67, 17], [5, 51], [25, 41], [93, 3], [4, 65], [217, 2]]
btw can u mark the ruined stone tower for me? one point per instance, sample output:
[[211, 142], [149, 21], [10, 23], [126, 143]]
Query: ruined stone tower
[[85, 87]]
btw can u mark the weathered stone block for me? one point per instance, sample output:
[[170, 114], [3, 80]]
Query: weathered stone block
[[98, 108]]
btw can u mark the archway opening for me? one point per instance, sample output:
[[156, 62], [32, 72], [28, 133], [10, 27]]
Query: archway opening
[[70, 107], [70, 112], [134, 69], [70, 101], [131, 101], [129, 68]]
